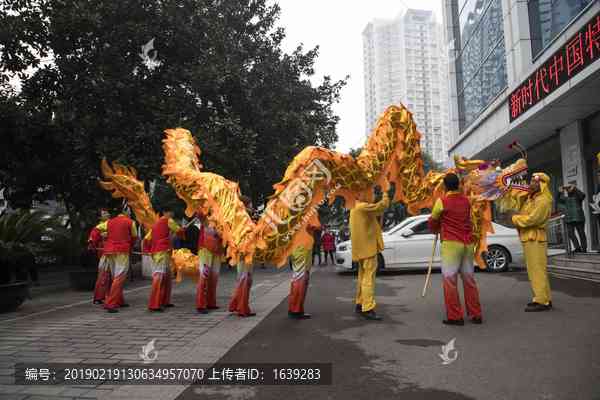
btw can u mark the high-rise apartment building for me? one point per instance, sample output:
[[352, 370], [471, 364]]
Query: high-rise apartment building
[[406, 61]]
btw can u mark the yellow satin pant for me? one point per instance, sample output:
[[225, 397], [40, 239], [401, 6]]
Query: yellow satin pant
[[365, 286], [536, 259]]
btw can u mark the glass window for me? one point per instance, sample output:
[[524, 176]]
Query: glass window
[[482, 57], [548, 18], [469, 18]]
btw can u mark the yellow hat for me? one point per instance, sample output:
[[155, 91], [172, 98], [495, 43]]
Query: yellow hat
[[542, 177]]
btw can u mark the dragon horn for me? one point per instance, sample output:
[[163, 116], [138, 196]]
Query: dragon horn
[[519, 148]]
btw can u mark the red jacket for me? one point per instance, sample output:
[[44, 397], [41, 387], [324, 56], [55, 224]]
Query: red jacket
[[210, 240], [455, 221], [119, 238], [328, 242], [96, 241], [161, 236]]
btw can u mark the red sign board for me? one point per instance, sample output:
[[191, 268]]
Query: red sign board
[[580, 51]]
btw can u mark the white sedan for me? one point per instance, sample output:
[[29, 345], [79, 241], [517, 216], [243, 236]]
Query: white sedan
[[408, 245]]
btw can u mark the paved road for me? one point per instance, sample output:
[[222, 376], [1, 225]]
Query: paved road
[[66, 327], [513, 355]]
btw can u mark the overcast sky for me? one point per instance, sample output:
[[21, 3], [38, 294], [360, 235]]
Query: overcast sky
[[336, 26]]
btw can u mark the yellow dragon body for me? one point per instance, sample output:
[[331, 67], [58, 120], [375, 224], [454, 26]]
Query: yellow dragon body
[[392, 155]]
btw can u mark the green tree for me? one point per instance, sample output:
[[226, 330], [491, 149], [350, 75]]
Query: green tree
[[218, 71]]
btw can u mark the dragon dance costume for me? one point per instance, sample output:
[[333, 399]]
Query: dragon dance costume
[[302, 260], [240, 299], [159, 240], [531, 223], [120, 236], [367, 241], [96, 243], [451, 215], [391, 155], [210, 253], [301, 265]]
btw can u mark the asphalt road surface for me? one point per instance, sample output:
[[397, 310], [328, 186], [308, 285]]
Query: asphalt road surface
[[514, 355]]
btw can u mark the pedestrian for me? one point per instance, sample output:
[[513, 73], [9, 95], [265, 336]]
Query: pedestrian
[[240, 299], [210, 253], [571, 198], [121, 234], [161, 238], [451, 219], [316, 250], [531, 223], [367, 242], [328, 241], [301, 265], [96, 245]]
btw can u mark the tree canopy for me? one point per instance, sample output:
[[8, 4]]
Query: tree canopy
[[89, 91]]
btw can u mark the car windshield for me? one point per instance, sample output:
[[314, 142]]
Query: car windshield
[[401, 225]]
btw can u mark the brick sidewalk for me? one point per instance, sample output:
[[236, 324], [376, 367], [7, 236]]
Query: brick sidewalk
[[84, 333]]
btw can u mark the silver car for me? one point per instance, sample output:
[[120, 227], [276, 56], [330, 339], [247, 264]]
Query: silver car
[[408, 245]]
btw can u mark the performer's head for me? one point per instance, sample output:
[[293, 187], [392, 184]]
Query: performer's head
[[539, 182], [366, 196], [451, 182]]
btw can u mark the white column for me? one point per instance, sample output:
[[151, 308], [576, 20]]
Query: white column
[[573, 166]]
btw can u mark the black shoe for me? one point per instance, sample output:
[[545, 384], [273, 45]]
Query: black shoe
[[458, 322], [371, 315], [538, 307], [112, 310], [358, 308], [252, 314], [98, 302], [124, 305], [534, 303], [169, 305], [202, 310], [477, 320], [298, 315], [156, 309], [213, 308]]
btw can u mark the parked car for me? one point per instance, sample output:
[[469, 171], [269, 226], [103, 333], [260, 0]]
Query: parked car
[[408, 245]]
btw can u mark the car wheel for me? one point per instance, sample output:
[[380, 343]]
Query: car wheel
[[497, 259], [380, 263]]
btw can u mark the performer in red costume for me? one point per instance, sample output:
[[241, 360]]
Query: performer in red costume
[[240, 300], [121, 234], [210, 252], [159, 240], [96, 244], [451, 215], [301, 264]]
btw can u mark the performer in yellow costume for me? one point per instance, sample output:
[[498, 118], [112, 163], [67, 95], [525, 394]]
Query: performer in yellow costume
[[531, 223], [367, 241]]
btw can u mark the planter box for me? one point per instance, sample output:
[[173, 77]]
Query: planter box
[[13, 295]]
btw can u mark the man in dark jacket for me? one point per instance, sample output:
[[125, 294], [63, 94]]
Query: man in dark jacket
[[571, 199]]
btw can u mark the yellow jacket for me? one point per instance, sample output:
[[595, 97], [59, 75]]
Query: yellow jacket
[[535, 213], [365, 231]]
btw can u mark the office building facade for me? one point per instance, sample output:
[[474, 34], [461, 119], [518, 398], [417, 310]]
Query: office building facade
[[528, 71]]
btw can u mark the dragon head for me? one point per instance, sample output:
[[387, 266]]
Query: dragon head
[[506, 186]]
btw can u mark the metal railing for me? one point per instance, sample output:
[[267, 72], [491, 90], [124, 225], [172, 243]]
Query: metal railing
[[557, 234]]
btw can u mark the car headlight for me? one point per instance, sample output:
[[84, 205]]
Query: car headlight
[[343, 247]]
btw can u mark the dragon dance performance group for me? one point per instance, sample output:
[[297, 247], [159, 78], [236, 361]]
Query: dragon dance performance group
[[114, 237]]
